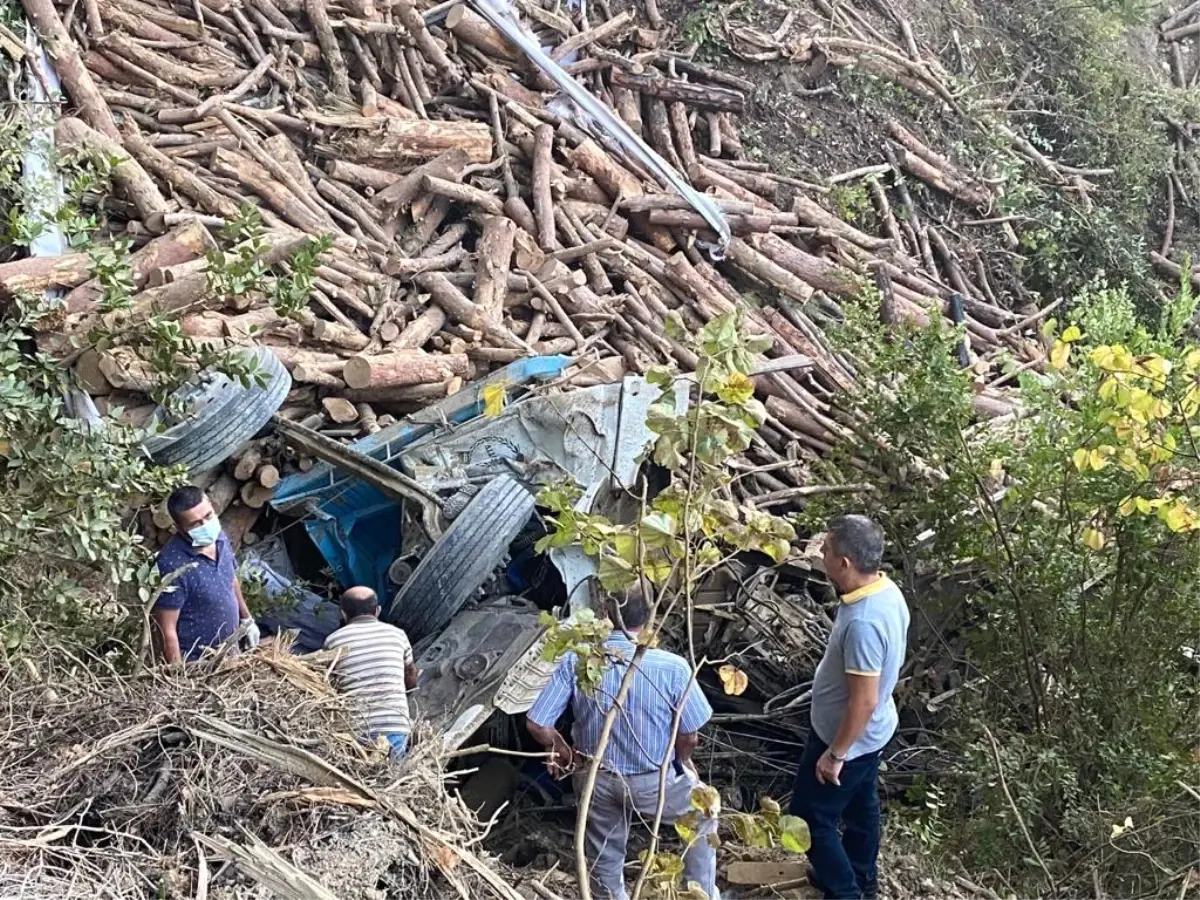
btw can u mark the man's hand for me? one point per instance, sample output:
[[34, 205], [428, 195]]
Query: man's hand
[[562, 758], [829, 769], [253, 636]]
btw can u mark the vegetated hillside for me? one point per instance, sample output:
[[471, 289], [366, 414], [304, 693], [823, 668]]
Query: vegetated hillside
[[1078, 117], [1067, 109]]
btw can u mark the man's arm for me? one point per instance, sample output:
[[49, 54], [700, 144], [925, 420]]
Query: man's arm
[[243, 609], [167, 621], [411, 673], [864, 697], [547, 709], [695, 715], [685, 745]]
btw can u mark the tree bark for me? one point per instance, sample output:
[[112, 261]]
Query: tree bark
[[767, 271], [413, 393], [179, 178], [221, 492], [414, 24], [494, 250], [339, 335], [249, 173], [193, 287], [543, 200], [169, 71], [405, 188], [463, 193], [69, 64], [126, 372], [811, 213], [367, 418], [458, 307], [399, 142], [339, 80], [361, 176], [139, 187], [818, 272], [39, 273], [420, 329], [616, 180], [306, 375], [701, 96], [471, 28], [970, 194], [404, 367]]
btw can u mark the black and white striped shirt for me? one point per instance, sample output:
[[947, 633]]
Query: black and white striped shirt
[[370, 666]]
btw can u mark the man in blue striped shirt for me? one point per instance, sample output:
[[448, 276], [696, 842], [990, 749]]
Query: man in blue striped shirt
[[639, 746]]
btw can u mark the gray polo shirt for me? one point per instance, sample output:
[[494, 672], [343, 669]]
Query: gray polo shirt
[[869, 637]]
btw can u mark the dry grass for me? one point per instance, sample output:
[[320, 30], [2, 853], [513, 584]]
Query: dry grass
[[115, 787]]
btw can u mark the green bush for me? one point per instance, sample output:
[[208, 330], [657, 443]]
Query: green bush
[[1076, 527], [72, 567]]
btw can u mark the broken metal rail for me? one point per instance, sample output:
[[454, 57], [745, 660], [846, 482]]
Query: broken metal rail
[[394, 484]]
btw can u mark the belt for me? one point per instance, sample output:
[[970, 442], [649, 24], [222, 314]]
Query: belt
[[675, 764]]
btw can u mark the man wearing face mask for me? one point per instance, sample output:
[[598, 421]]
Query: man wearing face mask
[[206, 606]]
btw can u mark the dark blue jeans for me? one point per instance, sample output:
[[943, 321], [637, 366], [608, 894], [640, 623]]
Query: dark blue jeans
[[844, 864]]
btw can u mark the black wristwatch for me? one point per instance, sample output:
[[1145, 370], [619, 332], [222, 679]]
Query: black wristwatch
[[835, 757]]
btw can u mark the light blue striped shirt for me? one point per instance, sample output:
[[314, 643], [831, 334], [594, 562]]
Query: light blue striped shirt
[[641, 735]]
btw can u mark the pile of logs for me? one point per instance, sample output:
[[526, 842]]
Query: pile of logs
[[472, 220]]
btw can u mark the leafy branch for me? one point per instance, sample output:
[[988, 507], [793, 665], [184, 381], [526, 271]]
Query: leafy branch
[[680, 535]]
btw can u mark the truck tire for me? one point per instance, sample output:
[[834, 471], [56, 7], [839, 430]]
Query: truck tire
[[222, 415], [462, 559]]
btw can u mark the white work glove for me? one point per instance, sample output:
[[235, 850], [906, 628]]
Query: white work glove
[[253, 636]]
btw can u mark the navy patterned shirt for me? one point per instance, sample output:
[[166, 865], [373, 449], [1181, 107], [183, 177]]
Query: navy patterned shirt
[[204, 595]]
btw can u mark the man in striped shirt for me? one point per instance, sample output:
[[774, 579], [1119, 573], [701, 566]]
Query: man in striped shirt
[[375, 666], [639, 746]]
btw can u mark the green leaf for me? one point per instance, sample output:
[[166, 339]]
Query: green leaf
[[626, 547], [661, 376], [794, 834], [658, 570], [778, 549], [658, 529], [615, 574], [737, 388], [706, 799], [687, 826], [759, 344], [674, 326]]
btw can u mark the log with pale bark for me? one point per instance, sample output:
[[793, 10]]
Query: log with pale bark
[[402, 368]]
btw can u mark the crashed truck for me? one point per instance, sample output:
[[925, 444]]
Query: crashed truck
[[436, 513]]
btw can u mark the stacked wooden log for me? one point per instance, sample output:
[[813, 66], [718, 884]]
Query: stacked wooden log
[[1180, 34], [473, 221]]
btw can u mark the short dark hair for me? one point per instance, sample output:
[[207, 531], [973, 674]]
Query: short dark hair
[[860, 540], [182, 499], [359, 601], [628, 609]]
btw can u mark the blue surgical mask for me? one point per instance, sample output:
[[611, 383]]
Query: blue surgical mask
[[207, 533]]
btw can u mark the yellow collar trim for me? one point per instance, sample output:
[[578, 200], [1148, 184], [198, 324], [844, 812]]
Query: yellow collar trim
[[868, 589]]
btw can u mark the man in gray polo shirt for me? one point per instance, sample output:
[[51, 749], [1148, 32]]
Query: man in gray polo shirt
[[853, 713]]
